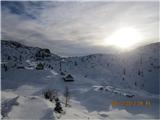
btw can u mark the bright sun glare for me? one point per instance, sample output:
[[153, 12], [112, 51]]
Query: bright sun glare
[[124, 38]]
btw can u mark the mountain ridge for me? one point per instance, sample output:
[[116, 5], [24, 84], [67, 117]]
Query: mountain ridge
[[131, 70]]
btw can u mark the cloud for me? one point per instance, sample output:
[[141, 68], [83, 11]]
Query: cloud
[[75, 28]]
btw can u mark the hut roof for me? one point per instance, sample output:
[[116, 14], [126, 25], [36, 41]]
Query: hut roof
[[69, 76]]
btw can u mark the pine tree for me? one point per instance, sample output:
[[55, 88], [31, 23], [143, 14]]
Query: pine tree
[[124, 71], [5, 68], [58, 107], [135, 83], [75, 63]]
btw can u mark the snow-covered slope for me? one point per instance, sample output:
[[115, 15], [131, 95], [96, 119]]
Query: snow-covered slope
[[14, 52], [137, 69], [99, 79]]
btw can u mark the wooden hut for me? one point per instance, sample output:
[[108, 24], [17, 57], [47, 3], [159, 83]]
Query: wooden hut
[[68, 78]]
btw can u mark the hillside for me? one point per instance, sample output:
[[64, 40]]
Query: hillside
[[99, 79], [140, 67]]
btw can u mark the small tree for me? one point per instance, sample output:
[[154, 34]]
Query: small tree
[[9, 58], [75, 63], [135, 83], [5, 68], [20, 58], [67, 96], [50, 94], [139, 72], [124, 71], [40, 66], [58, 107]]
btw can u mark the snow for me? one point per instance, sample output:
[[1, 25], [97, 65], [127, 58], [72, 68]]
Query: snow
[[96, 85], [53, 72], [29, 107], [116, 113]]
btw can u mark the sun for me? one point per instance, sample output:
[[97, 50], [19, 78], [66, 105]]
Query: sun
[[124, 38]]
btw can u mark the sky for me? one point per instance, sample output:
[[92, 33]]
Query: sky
[[76, 28]]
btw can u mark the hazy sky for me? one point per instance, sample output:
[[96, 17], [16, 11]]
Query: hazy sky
[[76, 28]]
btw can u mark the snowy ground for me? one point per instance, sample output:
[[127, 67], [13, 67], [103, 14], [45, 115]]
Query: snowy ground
[[100, 82], [22, 98]]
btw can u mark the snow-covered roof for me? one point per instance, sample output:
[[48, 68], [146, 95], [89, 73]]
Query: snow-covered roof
[[69, 76]]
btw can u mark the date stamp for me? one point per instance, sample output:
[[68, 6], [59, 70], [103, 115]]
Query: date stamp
[[143, 103]]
